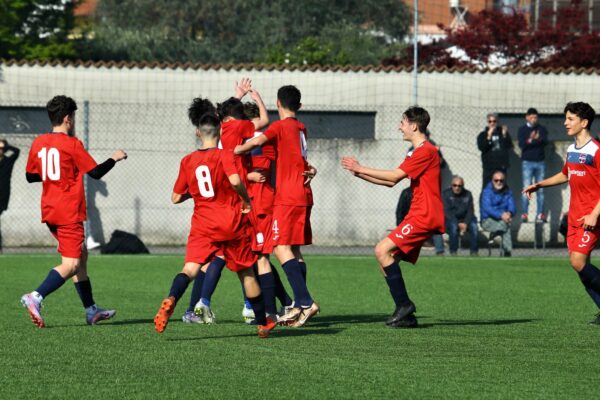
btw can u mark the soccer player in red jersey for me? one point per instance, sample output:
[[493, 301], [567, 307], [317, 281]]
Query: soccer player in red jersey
[[219, 223], [426, 214], [59, 161], [293, 200], [262, 195], [582, 171]]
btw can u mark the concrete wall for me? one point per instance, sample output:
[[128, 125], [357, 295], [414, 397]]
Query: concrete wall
[[143, 110]]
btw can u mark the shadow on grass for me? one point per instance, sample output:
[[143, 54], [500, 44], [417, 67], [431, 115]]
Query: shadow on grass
[[278, 333], [468, 322], [328, 320], [128, 322]]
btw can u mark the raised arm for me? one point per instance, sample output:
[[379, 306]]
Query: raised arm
[[250, 145], [552, 181], [262, 110], [102, 169], [384, 177]]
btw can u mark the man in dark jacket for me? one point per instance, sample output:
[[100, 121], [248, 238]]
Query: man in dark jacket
[[497, 209], [7, 162], [495, 144], [532, 140], [459, 212]]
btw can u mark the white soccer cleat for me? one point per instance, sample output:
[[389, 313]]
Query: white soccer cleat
[[203, 311], [190, 318], [100, 314], [248, 315], [33, 306]]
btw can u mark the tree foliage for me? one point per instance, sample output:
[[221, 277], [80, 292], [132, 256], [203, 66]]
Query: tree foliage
[[493, 39], [36, 29], [239, 31]]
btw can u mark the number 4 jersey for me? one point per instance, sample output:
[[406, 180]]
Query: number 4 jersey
[[217, 207], [61, 161]]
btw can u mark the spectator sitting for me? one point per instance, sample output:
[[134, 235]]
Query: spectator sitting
[[460, 215], [532, 140], [495, 145], [497, 209]]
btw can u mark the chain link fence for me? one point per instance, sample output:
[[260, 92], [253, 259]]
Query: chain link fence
[[349, 215]]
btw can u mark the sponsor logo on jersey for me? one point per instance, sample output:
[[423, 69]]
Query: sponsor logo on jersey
[[576, 172]]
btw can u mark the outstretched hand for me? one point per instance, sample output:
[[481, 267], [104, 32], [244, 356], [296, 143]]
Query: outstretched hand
[[242, 87], [529, 190], [350, 163], [119, 155]]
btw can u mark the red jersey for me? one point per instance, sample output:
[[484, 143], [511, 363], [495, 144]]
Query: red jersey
[[217, 207], [423, 168], [289, 139], [583, 169], [262, 193], [233, 133], [61, 161]]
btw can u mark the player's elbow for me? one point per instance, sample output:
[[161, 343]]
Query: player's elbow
[[235, 180], [175, 198]]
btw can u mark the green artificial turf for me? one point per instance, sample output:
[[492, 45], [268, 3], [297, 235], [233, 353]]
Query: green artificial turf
[[489, 328]]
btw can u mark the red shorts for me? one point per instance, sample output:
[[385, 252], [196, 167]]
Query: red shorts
[[70, 238], [291, 225], [237, 252], [582, 241], [261, 234], [409, 238]]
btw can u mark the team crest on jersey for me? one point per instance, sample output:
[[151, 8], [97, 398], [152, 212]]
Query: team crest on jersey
[[582, 158]]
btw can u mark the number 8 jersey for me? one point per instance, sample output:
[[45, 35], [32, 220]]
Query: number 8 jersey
[[217, 207], [61, 161]]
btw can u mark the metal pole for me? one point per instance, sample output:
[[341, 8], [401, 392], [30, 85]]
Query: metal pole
[[416, 54], [536, 15], [591, 16], [554, 13], [86, 144]]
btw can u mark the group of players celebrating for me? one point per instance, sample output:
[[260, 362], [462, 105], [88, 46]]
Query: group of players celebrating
[[239, 218]]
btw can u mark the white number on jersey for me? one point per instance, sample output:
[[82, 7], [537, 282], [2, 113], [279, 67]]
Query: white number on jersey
[[50, 163], [275, 227], [303, 145], [204, 181]]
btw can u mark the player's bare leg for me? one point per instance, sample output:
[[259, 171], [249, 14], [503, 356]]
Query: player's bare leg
[[254, 295], [403, 315], [178, 287]]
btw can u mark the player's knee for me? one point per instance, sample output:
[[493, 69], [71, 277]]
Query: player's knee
[[577, 262], [380, 252]]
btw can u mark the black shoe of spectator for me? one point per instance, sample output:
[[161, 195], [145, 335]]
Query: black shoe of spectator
[[507, 254], [410, 321], [401, 312]]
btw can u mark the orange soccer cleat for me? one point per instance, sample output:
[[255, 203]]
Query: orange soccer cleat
[[263, 330], [164, 313]]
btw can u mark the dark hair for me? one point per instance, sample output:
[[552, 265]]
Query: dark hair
[[289, 97], [251, 110], [582, 110], [232, 107], [531, 111], [418, 115], [199, 108], [59, 107]]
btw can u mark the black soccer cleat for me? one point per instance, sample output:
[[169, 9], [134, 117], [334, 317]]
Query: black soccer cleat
[[410, 321], [401, 312], [596, 321]]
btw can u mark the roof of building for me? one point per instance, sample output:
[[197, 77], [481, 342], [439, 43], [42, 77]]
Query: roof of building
[[85, 8], [291, 67]]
